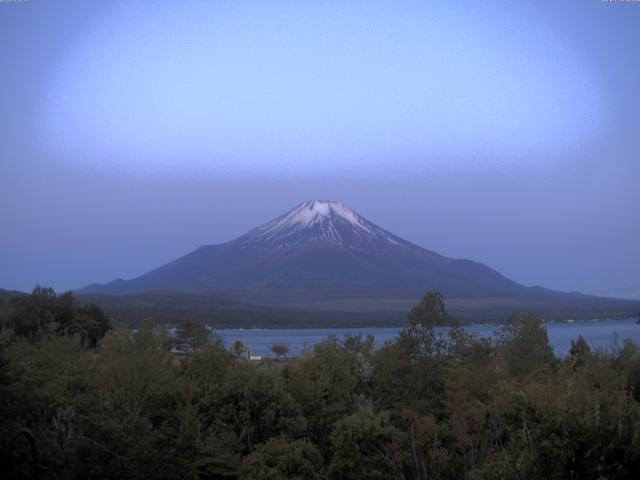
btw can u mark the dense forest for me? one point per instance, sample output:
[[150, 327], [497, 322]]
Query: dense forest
[[91, 401]]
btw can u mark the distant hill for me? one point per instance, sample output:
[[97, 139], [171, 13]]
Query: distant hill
[[6, 295], [173, 307], [322, 255]]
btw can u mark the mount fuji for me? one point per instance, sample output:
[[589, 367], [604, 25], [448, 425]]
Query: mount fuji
[[323, 255]]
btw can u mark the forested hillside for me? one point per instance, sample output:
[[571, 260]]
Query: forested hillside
[[424, 406]]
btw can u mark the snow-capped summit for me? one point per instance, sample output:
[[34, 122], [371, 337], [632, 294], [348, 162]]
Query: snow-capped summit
[[314, 211], [318, 220]]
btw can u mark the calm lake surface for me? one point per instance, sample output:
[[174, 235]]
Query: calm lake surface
[[606, 334]]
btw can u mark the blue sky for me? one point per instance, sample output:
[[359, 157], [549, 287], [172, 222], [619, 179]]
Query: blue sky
[[505, 132]]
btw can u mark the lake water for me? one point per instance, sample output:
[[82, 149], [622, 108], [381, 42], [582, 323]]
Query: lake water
[[606, 334]]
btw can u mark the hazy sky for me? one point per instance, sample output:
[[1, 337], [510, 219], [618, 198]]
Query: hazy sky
[[505, 132]]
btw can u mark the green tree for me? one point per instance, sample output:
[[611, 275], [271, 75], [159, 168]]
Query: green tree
[[281, 459], [579, 353], [325, 383], [239, 348], [523, 345], [31, 315], [91, 324], [280, 350], [44, 312], [366, 445], [191, 336], [430, 312], [410, 370]]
